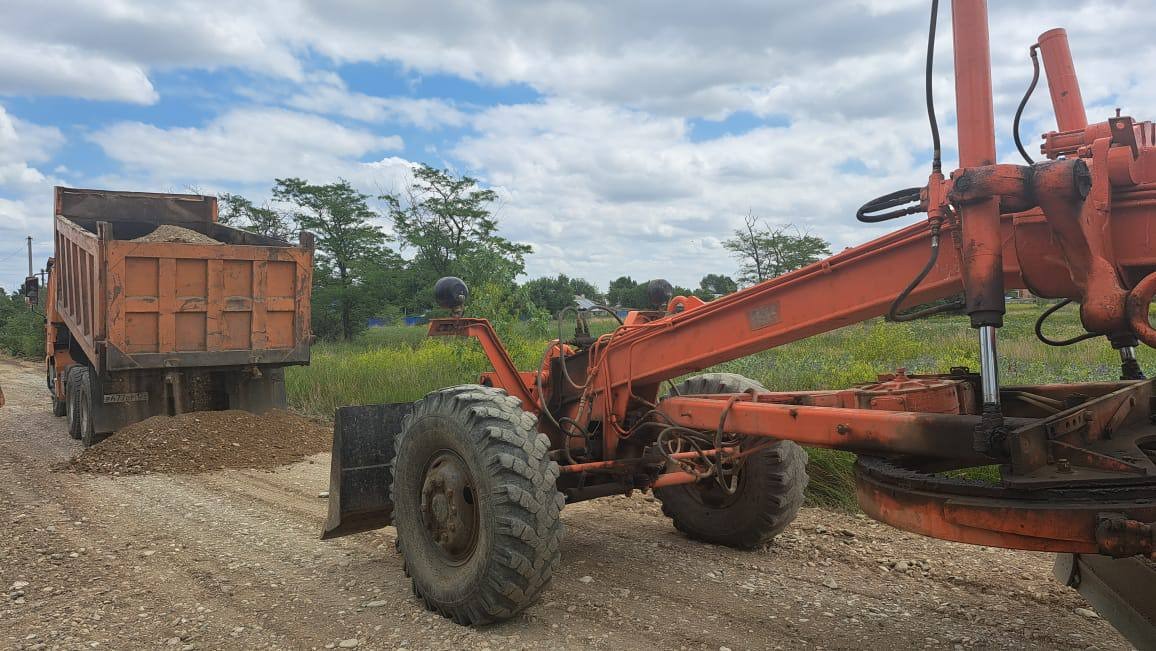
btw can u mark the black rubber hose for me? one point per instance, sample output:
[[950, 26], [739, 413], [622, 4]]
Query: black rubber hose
[[869, 213], [1024, 102], [937, 153], [893, 313], [1063, 342]]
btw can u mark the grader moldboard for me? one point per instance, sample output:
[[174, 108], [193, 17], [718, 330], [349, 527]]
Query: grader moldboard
[[474, 477]]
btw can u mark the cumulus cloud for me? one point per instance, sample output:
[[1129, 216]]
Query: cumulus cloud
[[616, 191], [604, 172], [25, 192], [327, 94], [251, 145]]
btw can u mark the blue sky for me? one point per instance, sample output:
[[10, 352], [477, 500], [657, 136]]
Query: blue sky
[[622, 138]]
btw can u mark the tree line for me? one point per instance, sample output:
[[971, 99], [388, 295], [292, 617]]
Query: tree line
[[443, 225]]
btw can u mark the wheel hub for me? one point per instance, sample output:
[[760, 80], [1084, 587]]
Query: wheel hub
[[448, 506]]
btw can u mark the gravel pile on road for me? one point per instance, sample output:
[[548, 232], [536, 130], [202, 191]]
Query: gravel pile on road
[[170, 233], [205, 441]]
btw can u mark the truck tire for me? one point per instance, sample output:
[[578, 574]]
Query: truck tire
[[85, 406], [59, 407], [71, 385], [476, 504], [770, 485]]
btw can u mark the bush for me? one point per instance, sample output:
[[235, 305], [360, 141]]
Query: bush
[[21, 328]]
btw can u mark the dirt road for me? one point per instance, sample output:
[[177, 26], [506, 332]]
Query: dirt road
[[231, 559]]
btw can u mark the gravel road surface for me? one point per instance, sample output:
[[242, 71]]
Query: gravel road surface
[[231, 560]]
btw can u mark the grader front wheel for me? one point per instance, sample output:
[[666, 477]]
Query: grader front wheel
[[475, 504], [769, 489]]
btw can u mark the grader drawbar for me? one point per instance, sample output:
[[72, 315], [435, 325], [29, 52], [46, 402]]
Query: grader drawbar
[[474, 477]]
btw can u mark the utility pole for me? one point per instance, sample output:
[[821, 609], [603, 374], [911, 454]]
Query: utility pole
[[29, 256]]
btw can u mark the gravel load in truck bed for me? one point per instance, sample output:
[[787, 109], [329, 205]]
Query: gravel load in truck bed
[[170, 233], [204, 441]]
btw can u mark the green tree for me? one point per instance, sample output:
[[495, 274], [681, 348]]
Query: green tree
[[765, 252], [446, 220], [348, 246], [713, 286], [586, 289], [554, 293], [21, 326], [239, 212], [622, 291]]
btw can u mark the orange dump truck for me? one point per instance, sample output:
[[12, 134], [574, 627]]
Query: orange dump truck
[[155, 308]]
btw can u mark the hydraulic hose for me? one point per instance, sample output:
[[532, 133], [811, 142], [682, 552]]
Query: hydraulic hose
[[1024, 102]]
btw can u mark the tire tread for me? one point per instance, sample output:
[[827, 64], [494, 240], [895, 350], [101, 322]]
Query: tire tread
[[525, 500]]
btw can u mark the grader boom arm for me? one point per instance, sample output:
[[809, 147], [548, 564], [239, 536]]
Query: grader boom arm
[[1076, 462]]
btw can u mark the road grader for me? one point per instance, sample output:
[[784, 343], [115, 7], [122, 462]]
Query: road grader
[[474, 477]]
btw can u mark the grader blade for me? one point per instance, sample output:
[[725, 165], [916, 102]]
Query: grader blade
[[1120, 589], [360, 474]]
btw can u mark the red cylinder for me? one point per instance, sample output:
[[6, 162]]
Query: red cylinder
[[982, 248], [1062, 81]]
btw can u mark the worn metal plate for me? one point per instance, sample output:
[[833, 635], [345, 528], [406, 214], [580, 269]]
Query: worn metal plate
[[763, 315], [1122, 590], [360, 473]]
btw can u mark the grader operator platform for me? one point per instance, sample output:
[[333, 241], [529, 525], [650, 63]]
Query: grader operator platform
[[474, 477]]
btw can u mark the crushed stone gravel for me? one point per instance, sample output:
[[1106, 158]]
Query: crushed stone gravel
[[203, 441], [171, 233]]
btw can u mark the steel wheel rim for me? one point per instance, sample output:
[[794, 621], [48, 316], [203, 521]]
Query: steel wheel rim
[[449, 509]]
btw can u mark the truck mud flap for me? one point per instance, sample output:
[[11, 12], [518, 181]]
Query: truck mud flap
[[360, 474]]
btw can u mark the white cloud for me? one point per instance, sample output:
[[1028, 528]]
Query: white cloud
[[251, 145], [25, 193], [626, 193], [60, 69], [602, 175], [327, 94]]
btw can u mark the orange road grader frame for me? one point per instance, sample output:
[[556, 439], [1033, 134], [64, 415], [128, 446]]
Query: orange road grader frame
[[1077, 471]]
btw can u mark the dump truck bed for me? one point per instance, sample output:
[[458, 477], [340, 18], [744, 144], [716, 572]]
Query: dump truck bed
[[130, 304]]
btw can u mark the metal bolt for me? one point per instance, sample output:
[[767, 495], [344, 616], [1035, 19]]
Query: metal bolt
[[843, 429], [1063, 465]]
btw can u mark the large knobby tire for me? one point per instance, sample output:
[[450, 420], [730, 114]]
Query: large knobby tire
[[85, 394], [71, 394], [770, 485], [476, 504]]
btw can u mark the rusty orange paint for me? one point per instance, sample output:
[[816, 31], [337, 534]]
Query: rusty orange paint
[[138, 305], [1077, 226]]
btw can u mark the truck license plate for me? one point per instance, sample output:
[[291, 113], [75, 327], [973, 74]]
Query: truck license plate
[[112, 398]]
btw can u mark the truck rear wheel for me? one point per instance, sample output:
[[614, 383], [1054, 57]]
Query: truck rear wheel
[[71, 396], [476, 504], [770, 485], [85, 406], [59, 407]]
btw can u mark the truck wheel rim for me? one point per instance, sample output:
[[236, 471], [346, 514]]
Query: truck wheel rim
[[449, 507]]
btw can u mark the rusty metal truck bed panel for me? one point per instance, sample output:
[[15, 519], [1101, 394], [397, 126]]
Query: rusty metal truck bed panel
[[138, 305]]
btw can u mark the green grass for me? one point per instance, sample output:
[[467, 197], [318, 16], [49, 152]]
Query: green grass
[[398, 364]]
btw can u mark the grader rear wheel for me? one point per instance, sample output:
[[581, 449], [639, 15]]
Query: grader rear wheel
[[769, 492], [475, 504]]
